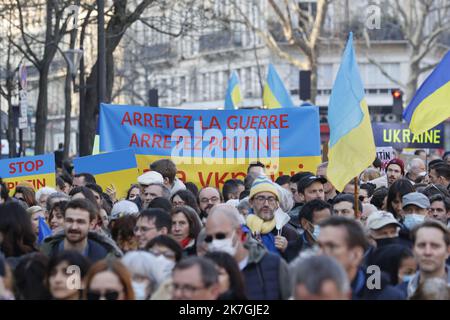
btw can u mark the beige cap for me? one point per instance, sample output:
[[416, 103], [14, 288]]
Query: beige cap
[[150, 177], [379, 219]]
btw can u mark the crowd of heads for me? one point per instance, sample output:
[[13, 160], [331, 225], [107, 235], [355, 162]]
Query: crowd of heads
[[296, 237]]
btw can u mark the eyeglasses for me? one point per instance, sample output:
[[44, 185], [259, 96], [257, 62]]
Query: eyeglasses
[[219, 236], [361, 198], [142, 229], [187, 288], [261, 199], [206, 200], [108, 295]]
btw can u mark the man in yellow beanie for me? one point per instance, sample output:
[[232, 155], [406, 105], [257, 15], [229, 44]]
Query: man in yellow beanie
[[264, 201]]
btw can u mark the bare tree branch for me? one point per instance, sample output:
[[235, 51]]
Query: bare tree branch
[[31, 55], [384, 72], [428, 67]]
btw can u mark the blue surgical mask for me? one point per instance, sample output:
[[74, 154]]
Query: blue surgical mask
[[412, 220], [407, 277]]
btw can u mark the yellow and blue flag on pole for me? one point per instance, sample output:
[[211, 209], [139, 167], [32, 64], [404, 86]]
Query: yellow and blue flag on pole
[[233, 94], [44, 230], [431, 103], [275, 94], [351, 146]]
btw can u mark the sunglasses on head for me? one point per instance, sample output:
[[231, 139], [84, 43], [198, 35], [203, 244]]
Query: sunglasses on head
[[218, 236], [108, 295]]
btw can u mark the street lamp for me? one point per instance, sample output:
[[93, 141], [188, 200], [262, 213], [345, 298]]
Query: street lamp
[[73, 57]]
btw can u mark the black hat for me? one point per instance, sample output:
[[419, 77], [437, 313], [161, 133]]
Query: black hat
[[305, 182]]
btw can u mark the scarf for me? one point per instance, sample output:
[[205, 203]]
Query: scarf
[[262, 228], [258, 225], [185, 242]]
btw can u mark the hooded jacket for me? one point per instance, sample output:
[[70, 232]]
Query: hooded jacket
[[177, 186], [99, 246], [266, 274]]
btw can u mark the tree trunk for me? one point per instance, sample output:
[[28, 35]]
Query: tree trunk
[[11, 129], [11, 133], [114, 32], [41, 111], [88, 114], [413, 79], [313, 65], [67, 113]]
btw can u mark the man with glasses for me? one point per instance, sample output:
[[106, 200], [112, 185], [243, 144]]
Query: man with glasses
[[208, 197], [151, 223], [264, 200], [195, 278], [266, 274]]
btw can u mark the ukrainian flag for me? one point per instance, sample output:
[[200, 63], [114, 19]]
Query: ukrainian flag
[[275, 94], [96, 145], [44, 230], [233, 95], [351, 146], [431, 103]]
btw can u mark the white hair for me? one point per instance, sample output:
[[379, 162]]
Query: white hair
[[415, 165], [313, 270], [229, 211], [44, 191], [123, 208], [143, 264]]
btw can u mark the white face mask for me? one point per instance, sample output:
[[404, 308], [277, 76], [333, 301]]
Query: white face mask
[[316, 232], [140, 290], [165, 265], [224, 245]]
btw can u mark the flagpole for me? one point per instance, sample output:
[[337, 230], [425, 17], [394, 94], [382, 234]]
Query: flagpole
[[356, 195]]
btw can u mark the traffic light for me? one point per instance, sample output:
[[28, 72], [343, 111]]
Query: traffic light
[[153, 98], [397, 101], [305, 85]]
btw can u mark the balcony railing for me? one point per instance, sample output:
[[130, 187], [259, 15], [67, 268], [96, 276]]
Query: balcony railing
[[219, 41]]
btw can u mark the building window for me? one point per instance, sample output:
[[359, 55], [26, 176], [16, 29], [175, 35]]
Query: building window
[[325, 76], [373, 77], [182, 89]]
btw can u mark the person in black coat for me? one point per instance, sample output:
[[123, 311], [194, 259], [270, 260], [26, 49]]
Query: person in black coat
[[345, 240]]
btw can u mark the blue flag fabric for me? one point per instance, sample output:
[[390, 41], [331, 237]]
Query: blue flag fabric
[[44, 230]]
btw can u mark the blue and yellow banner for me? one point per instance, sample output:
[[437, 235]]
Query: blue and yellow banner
[[275, 94], [116, 168], [233, 94], [212, 146], [431, 103], [37, 170], [351, 146]]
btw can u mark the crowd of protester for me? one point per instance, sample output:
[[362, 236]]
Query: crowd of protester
[[295, 238]]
